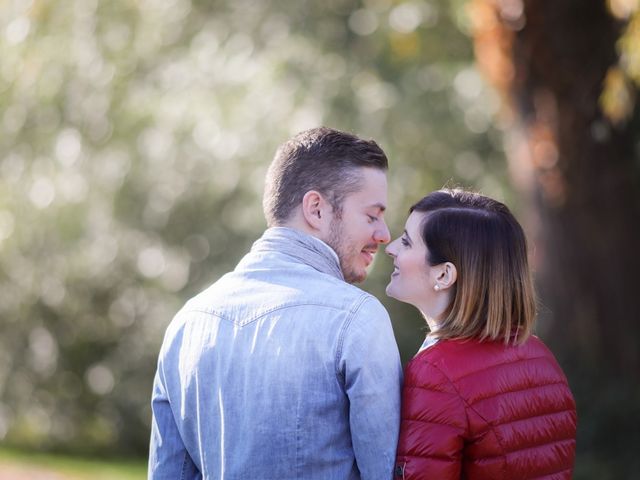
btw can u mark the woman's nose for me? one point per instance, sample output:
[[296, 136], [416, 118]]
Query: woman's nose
[[390, 249]]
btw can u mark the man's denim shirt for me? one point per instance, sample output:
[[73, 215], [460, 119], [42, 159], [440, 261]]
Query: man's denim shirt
[[279, 370]]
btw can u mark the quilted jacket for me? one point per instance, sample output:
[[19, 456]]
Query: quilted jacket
[[485, 411]]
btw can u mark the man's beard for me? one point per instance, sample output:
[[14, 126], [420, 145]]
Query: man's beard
[[340, 244]]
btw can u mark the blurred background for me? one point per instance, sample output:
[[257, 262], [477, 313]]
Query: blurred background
[[135, 137]]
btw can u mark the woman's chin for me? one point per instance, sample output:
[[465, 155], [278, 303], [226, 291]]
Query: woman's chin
[[393, 292]]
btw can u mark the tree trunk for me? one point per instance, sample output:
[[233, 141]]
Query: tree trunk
[[580, 174]]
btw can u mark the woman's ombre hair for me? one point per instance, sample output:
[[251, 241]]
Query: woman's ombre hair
[[493, 297]]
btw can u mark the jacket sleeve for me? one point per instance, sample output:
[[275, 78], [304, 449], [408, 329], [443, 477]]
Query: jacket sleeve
[[368, 364], [433, 426], [168, 456]]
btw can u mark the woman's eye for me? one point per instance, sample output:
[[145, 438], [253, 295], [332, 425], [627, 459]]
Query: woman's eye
[[404, 242]]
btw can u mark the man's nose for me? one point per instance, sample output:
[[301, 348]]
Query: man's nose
[[382, 234]]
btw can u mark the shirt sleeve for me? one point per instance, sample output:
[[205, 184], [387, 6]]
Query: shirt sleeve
[[168, 456], [433, 425], [369, 364]]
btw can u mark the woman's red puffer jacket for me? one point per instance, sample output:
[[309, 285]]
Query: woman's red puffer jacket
[[486, 411]]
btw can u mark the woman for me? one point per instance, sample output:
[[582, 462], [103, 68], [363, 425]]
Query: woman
[[483, 398]]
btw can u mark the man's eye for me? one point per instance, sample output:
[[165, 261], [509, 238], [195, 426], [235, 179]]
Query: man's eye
[[372, 218]]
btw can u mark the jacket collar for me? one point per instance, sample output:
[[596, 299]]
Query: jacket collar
[[304, 248]]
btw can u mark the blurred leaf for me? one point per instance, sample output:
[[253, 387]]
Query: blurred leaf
[[134, 141]]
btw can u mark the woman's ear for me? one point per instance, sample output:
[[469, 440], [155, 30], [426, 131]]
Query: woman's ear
[[447, 276], [314, 210]]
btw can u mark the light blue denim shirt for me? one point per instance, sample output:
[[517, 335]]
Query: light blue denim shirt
[[279, 370]]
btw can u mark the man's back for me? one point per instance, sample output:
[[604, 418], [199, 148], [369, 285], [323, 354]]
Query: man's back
[[279, 370]]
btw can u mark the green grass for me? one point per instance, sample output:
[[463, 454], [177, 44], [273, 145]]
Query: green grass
[[79, 468]]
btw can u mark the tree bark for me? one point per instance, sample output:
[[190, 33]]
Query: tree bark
[[579, 172]]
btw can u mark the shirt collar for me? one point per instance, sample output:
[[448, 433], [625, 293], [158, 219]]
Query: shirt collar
[[304, 248]]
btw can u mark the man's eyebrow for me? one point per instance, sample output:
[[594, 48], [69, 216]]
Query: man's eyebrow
[[382, 207]]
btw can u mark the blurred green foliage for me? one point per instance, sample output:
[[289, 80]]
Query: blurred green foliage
[[61, 467], [134, 139], [618, 98]]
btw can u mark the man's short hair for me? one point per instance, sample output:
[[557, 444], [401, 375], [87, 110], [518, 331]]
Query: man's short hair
[[320, 159]]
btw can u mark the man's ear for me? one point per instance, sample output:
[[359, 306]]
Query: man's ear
[[447, 275], [315, 210]]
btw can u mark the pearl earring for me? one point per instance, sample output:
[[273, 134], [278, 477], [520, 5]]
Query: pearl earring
[[436, 287]]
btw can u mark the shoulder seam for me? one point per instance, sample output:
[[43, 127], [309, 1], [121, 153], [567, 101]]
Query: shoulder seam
[[453, 386], [470, 407], [352, 313]]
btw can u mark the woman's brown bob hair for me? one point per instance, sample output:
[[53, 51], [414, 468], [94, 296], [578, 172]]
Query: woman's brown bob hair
[[493, 297]]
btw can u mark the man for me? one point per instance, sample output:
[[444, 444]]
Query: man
[[281, 369]]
